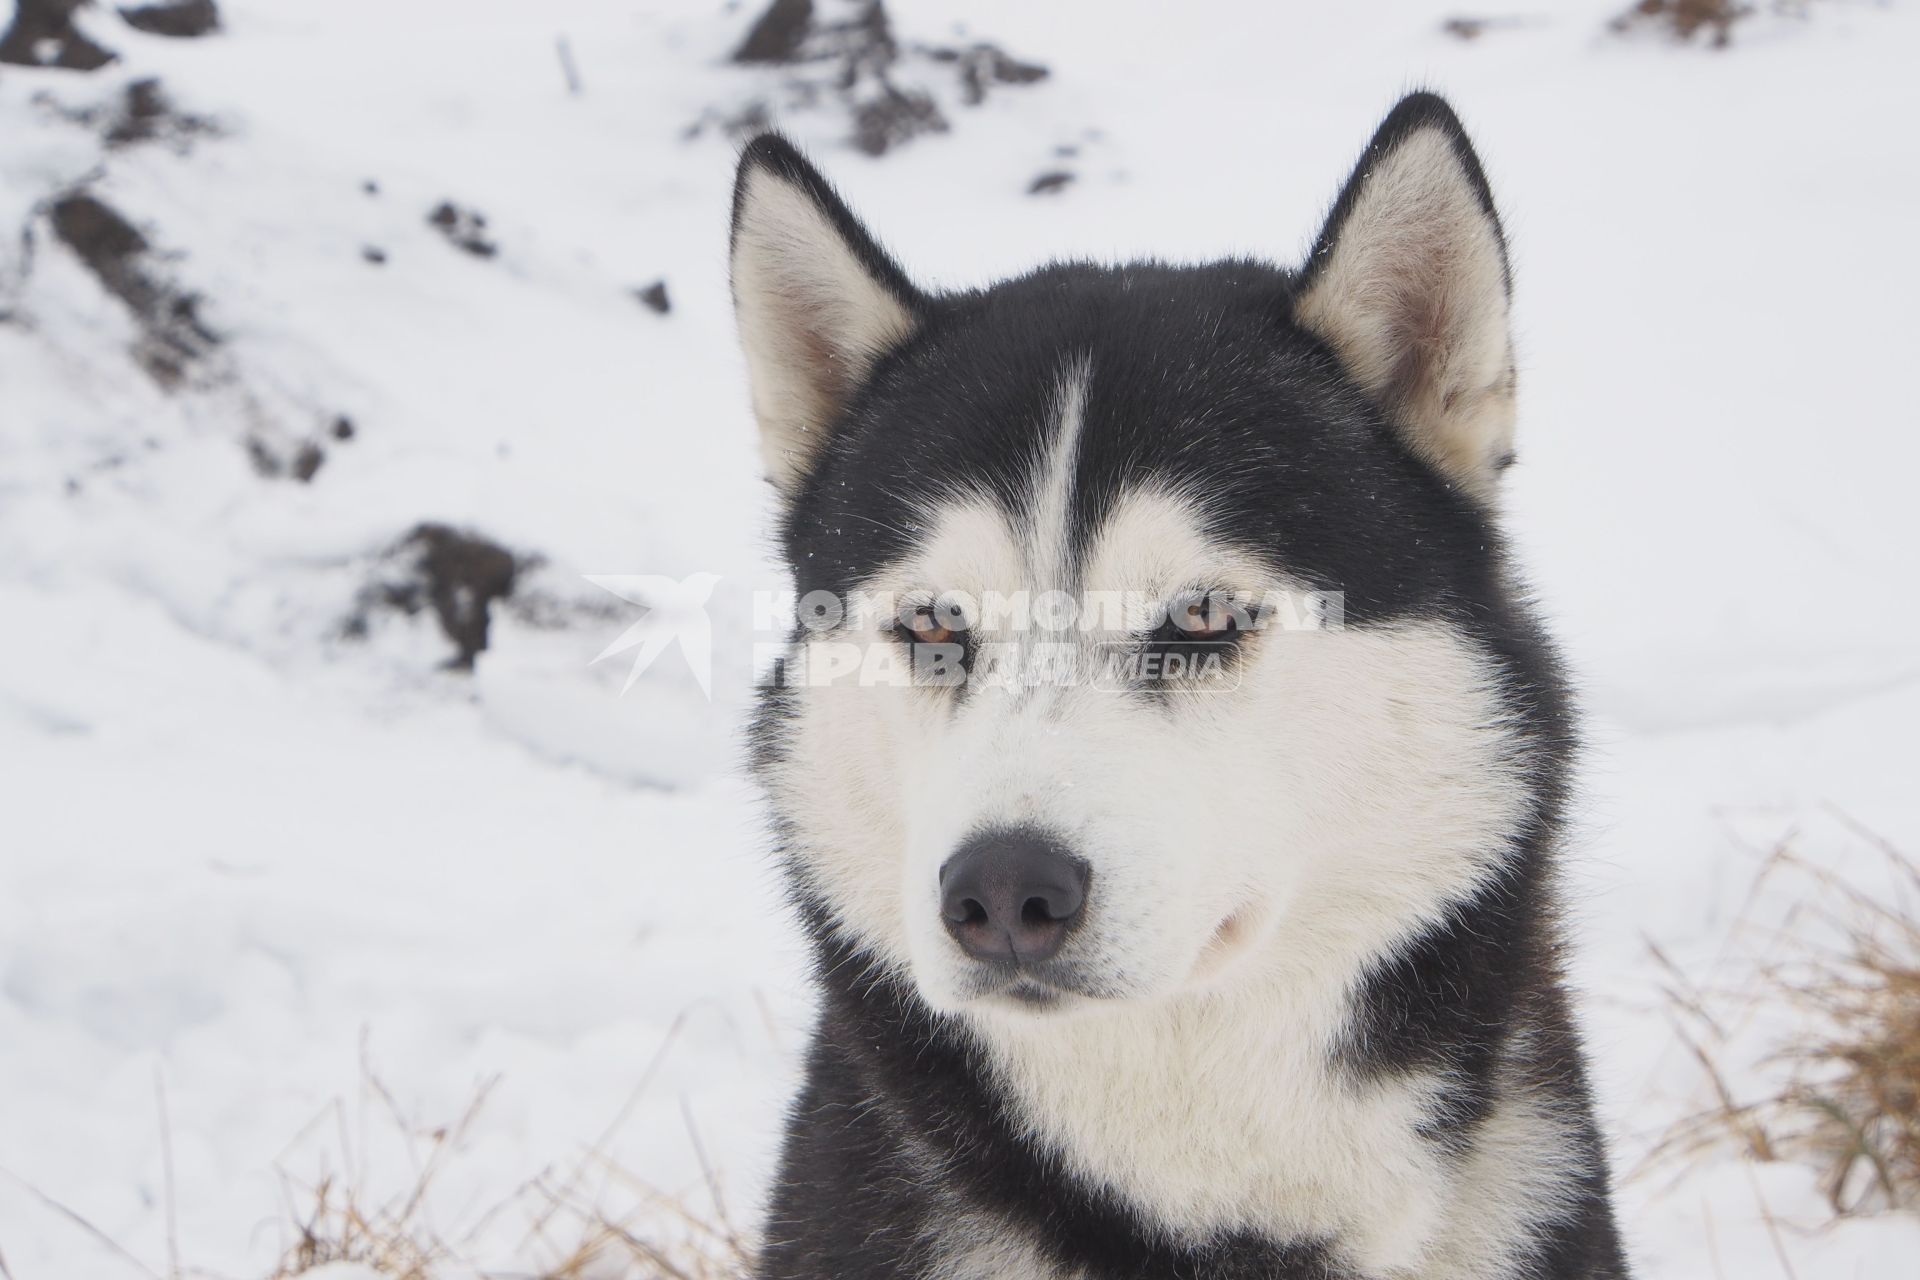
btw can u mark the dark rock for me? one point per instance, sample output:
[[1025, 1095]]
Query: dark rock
[[459, 575], [983, 65], [343, 428], [843, 55], [96, 231], [1685, 19], [146, 113], [142, 113], [778, 35], [266, 463], [173, 336], [43, 34], [1050, 182], [654, 297], [306, 463], [893, 116], [374, 254], [464, 228], [141, 110], [1468, 28], [182, 19]]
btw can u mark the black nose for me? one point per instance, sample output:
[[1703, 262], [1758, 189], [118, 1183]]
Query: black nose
[[1012, 895]]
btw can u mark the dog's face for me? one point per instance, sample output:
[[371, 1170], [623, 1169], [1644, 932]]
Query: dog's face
[[1137, 655]]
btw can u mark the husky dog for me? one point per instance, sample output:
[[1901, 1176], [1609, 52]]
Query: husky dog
[[1148, 970]]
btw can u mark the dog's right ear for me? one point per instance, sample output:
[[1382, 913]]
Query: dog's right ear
[[1408, 284], [818, 303]]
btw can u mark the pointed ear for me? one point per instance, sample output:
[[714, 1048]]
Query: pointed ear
[[1408, 284], [818, 303]]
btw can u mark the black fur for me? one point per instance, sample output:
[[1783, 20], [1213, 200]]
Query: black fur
[[1199, 374]]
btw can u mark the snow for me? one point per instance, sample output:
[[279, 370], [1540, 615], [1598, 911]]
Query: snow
[[276, 904]]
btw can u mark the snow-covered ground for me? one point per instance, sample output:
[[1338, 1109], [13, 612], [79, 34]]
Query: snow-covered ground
[[275, 902]]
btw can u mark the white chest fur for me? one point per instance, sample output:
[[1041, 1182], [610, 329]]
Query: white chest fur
[[1212, 1114]]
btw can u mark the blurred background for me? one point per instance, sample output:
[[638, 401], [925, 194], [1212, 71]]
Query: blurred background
[[352, 921]]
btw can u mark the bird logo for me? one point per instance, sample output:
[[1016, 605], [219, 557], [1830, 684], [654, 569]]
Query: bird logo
[[676, 613]]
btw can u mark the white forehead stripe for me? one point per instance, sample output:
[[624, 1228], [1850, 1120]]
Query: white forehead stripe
[[1050, 546]]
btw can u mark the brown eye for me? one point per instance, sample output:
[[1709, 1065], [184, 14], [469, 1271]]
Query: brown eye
[[931, 624], [1203, 618]]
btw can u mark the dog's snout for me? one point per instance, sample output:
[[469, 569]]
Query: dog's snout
[[1012, 895]]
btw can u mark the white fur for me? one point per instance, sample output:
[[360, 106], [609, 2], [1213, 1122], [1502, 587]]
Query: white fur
[[1351, 788], [1209, 1102], [1518, 1177], [1405, 1213], [1048, 526], [812, 319], [1414, 299]]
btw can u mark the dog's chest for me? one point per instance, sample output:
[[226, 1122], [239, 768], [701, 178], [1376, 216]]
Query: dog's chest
[[1204, 1124]]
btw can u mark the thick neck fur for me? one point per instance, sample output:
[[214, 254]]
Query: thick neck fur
[[1277, 1120]]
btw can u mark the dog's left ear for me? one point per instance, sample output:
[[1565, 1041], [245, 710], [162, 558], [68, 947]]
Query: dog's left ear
[[1408, 283], [818, 303]]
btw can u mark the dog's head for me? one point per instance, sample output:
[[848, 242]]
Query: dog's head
[[1154, 628]]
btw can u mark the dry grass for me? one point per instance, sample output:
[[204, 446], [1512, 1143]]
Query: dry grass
[[588, 1219], [661, 1240], [1844, 1098], [560, 1218]]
